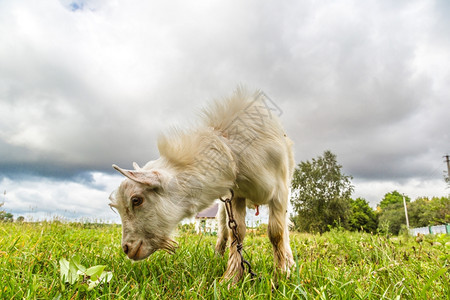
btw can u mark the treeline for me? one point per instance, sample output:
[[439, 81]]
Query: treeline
[[321, 198], [421, 212]]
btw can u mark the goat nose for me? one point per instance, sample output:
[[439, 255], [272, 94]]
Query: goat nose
[[125, 248]]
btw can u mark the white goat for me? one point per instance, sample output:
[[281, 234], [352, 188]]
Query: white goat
[[240, 145]]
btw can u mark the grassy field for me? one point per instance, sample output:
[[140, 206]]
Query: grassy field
[[337, 264]]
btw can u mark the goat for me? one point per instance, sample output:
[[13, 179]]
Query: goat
[[239, 145]]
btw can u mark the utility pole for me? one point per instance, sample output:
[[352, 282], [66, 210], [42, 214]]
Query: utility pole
[[447, 160], [406, 212]]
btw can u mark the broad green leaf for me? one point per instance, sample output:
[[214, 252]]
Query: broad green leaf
[[73, 276], [72, 270], [106, 277], [76, 261], [64, 271], [95, 272], [68, 271]]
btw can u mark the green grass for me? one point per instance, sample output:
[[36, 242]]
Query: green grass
[[337, 264]]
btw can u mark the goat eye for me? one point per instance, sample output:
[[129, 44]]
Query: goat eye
[[136, 201]]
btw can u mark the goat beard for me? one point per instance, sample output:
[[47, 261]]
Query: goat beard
[[169, 246]]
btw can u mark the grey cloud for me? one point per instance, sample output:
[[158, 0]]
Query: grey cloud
[[364, 80]]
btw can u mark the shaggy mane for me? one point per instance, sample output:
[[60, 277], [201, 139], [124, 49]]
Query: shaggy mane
[[183, 147], [221, 113]]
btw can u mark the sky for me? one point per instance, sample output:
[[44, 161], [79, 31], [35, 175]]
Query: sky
[[88, 83]]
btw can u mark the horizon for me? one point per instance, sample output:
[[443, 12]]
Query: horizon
[[85, 84]]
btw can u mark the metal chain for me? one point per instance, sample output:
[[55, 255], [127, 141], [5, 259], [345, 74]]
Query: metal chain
[[232, 224]]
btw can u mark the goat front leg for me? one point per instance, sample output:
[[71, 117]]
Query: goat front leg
[[222, 236], [234, 269]]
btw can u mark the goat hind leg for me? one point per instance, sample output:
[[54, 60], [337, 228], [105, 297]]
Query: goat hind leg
[[222, 236], [279, 237]]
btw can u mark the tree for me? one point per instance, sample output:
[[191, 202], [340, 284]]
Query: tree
[[392, 211], [427, 212], [320, 194], [4, 216], [441, 209], [392, 198], [418, 213], [362, 217], [393, 217]]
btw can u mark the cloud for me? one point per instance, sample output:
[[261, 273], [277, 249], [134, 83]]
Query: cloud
[[37, 198], [84, 84]]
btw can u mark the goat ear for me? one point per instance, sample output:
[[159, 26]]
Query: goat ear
[[152, 178]]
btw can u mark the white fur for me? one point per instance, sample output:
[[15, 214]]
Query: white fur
[[240, 145]]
